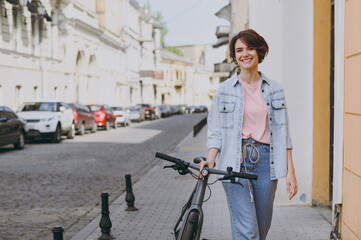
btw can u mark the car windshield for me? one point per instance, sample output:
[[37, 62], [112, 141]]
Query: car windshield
[[134, 109], [95, 108], [117, 108], [38, 106]]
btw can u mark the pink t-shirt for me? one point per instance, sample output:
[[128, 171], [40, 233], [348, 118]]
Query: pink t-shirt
[[255, 117]]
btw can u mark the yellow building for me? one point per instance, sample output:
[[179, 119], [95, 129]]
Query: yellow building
[[342, 186]]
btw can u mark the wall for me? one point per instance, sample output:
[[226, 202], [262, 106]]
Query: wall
[[351, 196], [287, 26], [321, 104]]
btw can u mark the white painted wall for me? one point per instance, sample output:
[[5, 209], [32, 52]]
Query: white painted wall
[[287, 26]]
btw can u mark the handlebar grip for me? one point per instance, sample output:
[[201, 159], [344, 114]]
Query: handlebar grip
[[246, 175], [167, 157]]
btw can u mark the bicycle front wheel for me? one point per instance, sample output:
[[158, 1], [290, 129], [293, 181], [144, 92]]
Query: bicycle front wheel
[[190, 228]]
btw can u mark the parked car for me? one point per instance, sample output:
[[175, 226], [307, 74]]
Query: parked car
[[157, 112], [103, 115], [175, 109], [149, 112], [136, 113], [164, 110], [83, 118], [121, 116], [12, 128], [203, 109], [47, 120]]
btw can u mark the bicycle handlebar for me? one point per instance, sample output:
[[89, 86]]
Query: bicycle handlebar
[[186, 164]]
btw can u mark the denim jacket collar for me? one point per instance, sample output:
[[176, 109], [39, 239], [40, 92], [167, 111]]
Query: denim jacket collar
[[234, 78]]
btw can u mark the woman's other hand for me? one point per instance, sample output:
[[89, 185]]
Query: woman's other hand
[[291, 183]]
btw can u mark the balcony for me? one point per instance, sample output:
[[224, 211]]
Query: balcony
[[225, 13], [221, 41], [151, 74], [222, 67], [179, 83], [223, 31]]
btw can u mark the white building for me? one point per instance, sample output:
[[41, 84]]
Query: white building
[[87, 51], [141, 33]]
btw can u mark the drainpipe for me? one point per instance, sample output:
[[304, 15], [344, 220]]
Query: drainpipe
[[335, 223]]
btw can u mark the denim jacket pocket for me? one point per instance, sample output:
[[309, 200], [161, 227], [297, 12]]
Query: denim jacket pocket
[[226, 110], [278, 111]]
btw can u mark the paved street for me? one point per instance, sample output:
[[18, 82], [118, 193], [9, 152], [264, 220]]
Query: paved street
[[48, 184], [161, 193]]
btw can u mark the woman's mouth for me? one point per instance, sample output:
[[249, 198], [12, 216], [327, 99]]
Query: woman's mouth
[[247, 60]]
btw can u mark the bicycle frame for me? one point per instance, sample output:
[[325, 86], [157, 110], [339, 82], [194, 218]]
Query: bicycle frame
[[194, 203]]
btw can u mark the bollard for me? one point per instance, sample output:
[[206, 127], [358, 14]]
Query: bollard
[[129, 197], [58, 232], [105, 223]]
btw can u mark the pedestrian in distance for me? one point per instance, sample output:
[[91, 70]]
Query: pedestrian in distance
[[248, 129]]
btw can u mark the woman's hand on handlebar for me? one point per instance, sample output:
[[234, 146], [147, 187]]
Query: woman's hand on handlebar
[[212, 154], [209, 164]]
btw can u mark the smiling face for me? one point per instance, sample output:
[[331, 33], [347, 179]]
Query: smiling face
[[246, 57]]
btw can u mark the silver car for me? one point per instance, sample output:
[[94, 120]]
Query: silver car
[[121, 116], [136, 113]]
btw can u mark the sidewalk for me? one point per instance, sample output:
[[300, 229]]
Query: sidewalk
[[161, 193]]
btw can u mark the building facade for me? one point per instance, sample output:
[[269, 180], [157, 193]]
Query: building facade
[[318, 64], [86, 51]]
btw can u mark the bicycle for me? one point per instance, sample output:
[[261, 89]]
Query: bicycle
[[192, 210]]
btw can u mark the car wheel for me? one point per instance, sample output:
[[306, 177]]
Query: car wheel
[[21, 141], [107, 125], [71, 133], [57, 134], [81, 129], [94, 128], [115, 125]]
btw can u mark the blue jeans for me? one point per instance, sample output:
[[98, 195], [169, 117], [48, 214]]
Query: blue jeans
[[252, 219]]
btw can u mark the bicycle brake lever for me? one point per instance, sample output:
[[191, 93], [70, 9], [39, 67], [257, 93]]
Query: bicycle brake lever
[[233, 180], [175, 167]]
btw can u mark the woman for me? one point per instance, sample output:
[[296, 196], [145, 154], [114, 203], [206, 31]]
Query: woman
[[248, 128]]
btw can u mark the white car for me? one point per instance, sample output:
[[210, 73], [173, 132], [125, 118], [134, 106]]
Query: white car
[[122, 117], [47, 120]]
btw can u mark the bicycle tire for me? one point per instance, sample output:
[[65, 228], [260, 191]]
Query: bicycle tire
[[190, 228]]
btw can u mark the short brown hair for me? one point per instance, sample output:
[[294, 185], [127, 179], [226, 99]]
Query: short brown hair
[[252, 39]]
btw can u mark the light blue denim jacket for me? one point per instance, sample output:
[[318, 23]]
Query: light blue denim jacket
[[225, 121]]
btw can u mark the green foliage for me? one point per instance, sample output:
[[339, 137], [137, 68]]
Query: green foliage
[[175, 50], [159, 17]]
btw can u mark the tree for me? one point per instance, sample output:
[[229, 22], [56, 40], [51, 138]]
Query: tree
[[164, 29], [159, 18]]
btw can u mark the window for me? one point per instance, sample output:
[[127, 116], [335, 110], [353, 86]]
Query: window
[[36, 92], [56, 92], [19, 98]]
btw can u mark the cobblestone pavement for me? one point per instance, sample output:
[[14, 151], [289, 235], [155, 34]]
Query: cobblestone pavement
[[161, 193], [60, 184]]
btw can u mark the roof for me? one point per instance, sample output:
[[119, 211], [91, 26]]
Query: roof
[[167, 55]]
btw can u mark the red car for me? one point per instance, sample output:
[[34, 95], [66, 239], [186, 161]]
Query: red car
[[103, 115], [83, 118]]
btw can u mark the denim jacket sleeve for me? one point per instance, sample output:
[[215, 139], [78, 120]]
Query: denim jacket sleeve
[[214, 133], [288, 141]]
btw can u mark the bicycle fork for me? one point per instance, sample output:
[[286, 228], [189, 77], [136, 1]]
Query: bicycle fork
[[193, 205]]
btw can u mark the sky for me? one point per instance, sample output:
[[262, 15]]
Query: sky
[[189, 21]]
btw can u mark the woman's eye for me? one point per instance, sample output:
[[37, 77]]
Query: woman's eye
[[251, 48]]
